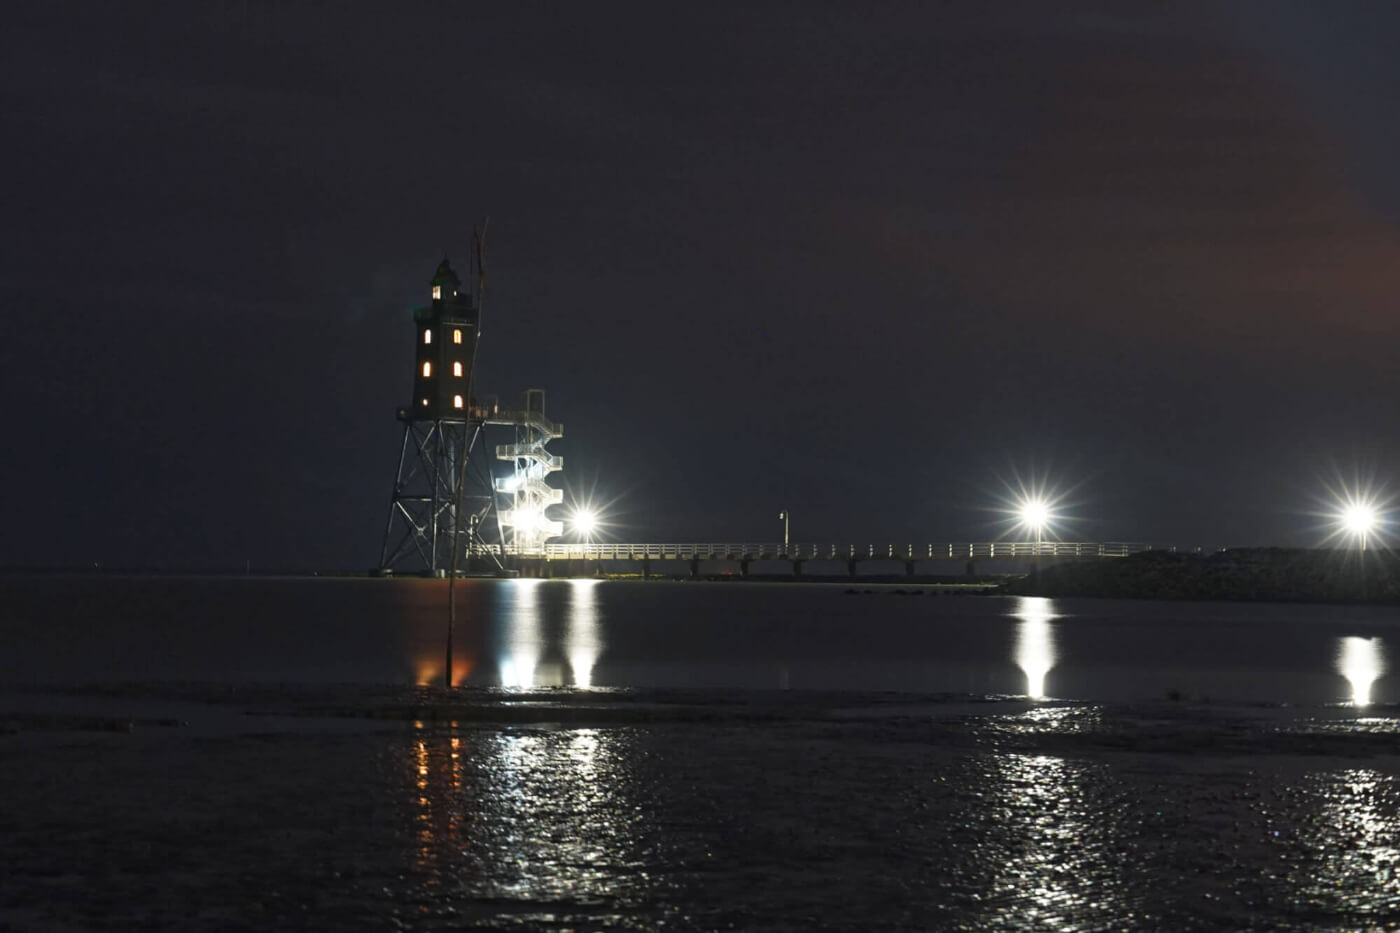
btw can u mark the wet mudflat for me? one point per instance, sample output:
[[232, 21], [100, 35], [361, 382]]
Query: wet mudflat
[[336, 809]]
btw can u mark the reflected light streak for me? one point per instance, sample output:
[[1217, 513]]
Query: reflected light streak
[[1354, 848], [1035, 642], [518, 671], [462, 669], [582, 644], [428, 673], [438, 823], [523, 649], [557, 822], [1058, 866], [583, 753], [424, 818], [1359, 660], [1035, 609]]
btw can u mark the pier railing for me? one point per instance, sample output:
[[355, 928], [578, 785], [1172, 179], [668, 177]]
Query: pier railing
[[746, 551]]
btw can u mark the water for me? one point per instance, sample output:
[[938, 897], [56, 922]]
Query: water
[[531, 633], [690, 757]]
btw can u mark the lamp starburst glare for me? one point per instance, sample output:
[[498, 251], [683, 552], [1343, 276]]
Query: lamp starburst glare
[[1359, 518], [584, 521], [1035, 514]]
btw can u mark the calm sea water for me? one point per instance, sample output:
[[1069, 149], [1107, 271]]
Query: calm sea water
[[530, 633], [689, 757]]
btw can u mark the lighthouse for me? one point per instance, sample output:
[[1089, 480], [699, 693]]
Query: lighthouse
[[428, 510], [444, 494]]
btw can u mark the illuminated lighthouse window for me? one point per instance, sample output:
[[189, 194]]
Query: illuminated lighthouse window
[[456, 401], [428, 336], [427, 368], [456, 369], [437, 292], [457, 335]]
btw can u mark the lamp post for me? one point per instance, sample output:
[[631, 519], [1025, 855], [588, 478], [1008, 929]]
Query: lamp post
[[1359, 518], [785, 517], [1034, 514], [584, 522]]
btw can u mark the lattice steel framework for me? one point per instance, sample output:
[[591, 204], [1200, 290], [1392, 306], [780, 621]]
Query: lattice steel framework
[[434, 457]]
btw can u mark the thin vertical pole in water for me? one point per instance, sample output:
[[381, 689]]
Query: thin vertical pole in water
[[478, 240], [451, 614], [468, 442]]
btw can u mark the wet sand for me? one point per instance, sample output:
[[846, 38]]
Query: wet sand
[[356, 808]]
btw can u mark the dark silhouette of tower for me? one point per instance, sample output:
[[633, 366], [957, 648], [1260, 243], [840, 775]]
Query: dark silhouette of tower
[[441, 426]]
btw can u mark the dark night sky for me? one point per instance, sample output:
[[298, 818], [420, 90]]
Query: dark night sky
[[867, 266]]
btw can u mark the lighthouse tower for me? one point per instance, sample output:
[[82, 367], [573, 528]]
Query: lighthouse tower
[[446, 350], [440, 429]]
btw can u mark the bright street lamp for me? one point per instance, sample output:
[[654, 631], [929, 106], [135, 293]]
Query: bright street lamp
[[1359, 518], [785, 517], [584, 522], [1035, 515]]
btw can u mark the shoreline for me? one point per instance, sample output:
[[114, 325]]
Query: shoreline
[[1245, 575]]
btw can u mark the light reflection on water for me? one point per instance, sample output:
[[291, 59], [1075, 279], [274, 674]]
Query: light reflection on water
[[541, 821], [529, 658], [523, 644], [1062, 869], [1361, 662], [672, 635], [582, 640], [1354, 844], [1035, 641], [437, 784]]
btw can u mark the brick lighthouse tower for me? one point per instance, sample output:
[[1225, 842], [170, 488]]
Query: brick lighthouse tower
[[440, 429]]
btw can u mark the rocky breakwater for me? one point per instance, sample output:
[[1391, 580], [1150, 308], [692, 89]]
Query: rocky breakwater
[[1255, 574]]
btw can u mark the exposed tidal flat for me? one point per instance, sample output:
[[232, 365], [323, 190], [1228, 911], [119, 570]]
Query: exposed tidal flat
[[210, 755]]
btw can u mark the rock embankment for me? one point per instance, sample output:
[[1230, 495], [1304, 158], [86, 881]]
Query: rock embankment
[[1256, 574]]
